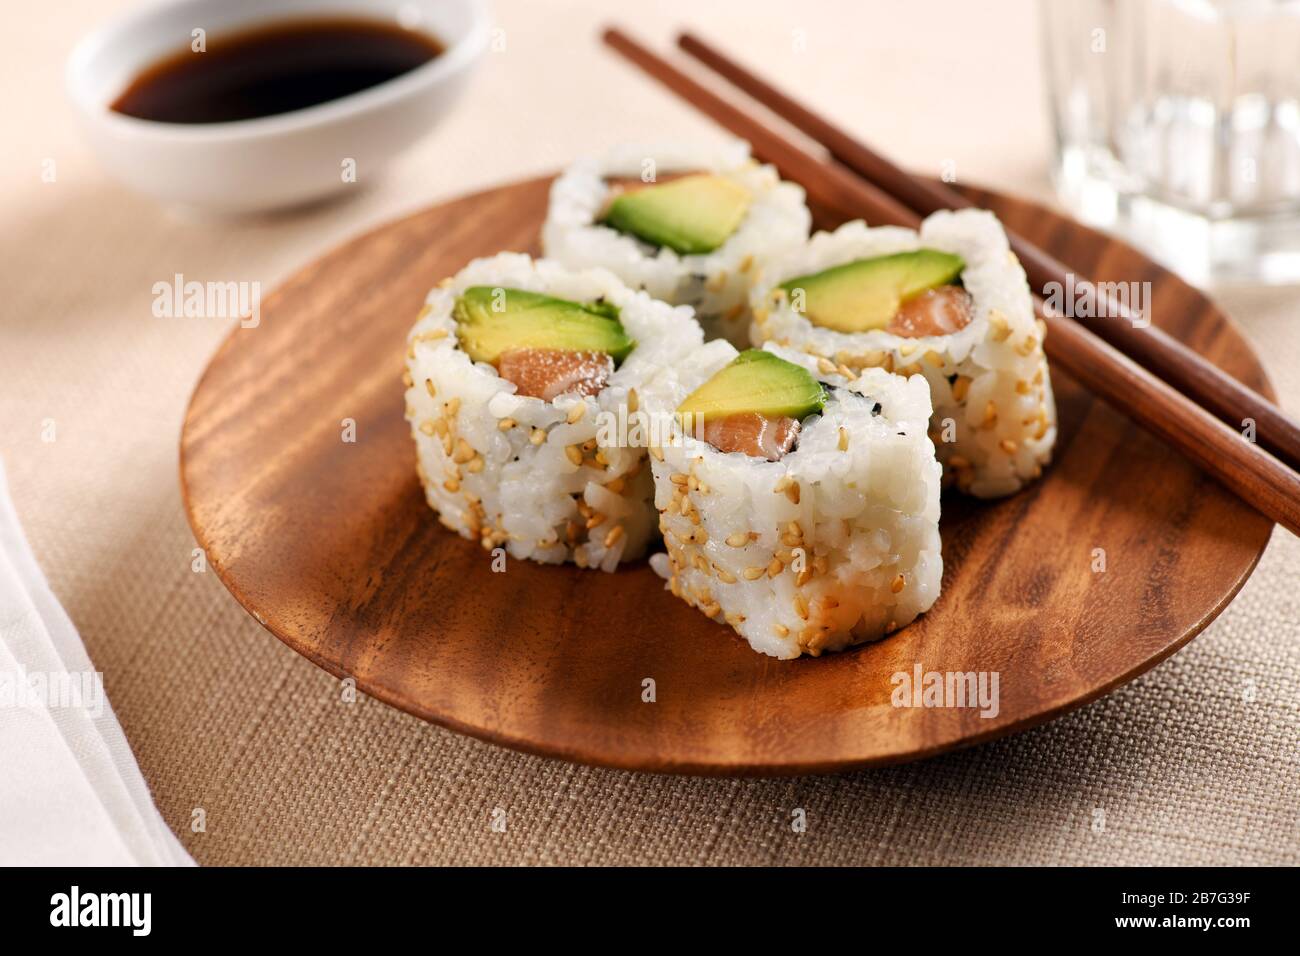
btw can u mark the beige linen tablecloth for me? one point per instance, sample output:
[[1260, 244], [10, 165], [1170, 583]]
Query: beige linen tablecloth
[[1194, 763]]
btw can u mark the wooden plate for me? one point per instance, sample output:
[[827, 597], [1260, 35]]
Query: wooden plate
[[330, 545]]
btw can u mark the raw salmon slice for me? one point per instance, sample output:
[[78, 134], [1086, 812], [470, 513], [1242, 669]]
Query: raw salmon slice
[[753, 434], [940, 311], [547, 373]]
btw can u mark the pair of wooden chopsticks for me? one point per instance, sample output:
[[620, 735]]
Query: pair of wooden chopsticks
[[1152, 378]]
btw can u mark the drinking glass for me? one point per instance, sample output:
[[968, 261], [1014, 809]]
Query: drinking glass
[[1177, 124]]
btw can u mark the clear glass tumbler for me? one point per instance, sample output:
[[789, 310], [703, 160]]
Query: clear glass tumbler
[[1177, 124]]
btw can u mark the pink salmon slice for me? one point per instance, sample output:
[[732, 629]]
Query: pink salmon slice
[[940, 311], [548, 373], [758, 436]]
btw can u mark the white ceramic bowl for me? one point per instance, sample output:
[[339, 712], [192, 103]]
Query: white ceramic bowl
[[271, 161]]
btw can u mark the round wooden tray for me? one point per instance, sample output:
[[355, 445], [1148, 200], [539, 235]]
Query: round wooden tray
[[330, 545]]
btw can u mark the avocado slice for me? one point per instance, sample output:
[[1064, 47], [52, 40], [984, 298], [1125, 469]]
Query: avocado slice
[[692, 215], [491, 320], [755, 381], [866, 294]]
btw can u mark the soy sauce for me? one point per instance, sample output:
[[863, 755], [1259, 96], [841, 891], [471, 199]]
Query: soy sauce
[[284, 66]]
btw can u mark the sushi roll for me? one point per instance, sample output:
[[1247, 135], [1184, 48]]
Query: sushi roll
[[512, 369], [950, 303], [799, 507], [686, 224]]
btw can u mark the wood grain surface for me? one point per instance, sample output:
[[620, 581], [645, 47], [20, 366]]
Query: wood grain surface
[[330, 545]]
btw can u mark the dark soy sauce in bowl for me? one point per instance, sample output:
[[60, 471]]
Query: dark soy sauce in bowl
[[283, 66]]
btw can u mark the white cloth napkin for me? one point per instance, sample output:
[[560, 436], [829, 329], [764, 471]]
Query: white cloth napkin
[[70, 790]]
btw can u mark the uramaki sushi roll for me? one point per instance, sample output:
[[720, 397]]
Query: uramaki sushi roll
[[799, 507], [950, 303], [688, 224], [510, 370]]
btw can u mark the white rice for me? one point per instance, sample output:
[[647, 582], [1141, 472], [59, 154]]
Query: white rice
[[496, 466], [994, 421], [715, 284], [835, 544]]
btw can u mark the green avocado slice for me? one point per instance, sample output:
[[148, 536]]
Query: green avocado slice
[[692, 215], [866, 294], [755, 381], [492, 320]]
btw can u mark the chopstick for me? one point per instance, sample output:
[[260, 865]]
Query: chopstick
[[1242, 466], [1149, 346], [832, 186]]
